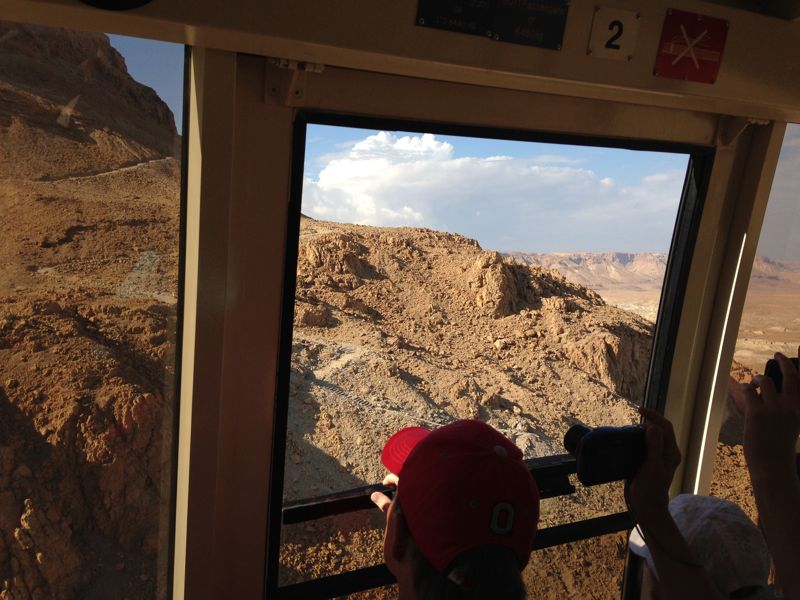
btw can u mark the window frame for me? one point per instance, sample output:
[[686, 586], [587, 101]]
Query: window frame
[[687, 223], [180, 315]]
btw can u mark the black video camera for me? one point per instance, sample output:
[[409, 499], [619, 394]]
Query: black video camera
[[606, 453]]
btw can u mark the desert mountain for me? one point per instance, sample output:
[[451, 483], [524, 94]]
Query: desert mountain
[[89, 198], [397, 326], [629, 280], [637, 271], [633, 280], [772, 273], [69, 107], [603, 270], [400, 327]]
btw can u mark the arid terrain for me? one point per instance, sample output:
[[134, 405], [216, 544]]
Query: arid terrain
[[399, 327], [393, 327], [89, 194], [633, 281], [405, 326], [769, 320], [629, 280]]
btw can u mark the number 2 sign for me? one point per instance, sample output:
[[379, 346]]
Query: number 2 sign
[[613, 33]]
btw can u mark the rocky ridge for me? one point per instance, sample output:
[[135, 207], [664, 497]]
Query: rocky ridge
[[426, 325], [400, 327]]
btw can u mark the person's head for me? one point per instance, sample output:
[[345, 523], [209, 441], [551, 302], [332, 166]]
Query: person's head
[[723, 539], [464, 515]]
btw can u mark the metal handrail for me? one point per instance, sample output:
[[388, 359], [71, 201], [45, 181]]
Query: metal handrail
[[550, 472], [375, 576]]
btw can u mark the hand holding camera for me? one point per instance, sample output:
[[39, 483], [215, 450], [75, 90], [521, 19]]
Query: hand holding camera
[[772, 421], [647, 455], [648, 490]]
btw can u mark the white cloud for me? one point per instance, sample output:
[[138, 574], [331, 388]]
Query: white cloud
[[545, 202], [554, 159]]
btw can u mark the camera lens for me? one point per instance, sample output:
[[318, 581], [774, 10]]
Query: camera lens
[[573, 437]]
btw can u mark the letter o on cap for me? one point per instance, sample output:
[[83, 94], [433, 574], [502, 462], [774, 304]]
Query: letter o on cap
[[502, 518]]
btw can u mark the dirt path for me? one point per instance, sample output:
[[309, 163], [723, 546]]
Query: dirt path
[[98, 174]]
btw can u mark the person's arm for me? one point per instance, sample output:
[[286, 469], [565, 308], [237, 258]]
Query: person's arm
[[679, 576], [771, 428]]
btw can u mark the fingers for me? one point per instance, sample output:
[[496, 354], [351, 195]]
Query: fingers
[[791, 382], [750, 398], [652, 415], [672, 454], [655, 442], [737, 392], [668, 450], [657, 418], [381, 500], [768, 392]]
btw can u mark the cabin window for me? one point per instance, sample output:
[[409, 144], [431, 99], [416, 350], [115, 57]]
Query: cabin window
[[90, 197], [769, 321], [595, 569], [449, 273]]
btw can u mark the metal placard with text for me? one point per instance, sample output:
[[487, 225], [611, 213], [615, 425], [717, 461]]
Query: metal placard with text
[[537, 23]]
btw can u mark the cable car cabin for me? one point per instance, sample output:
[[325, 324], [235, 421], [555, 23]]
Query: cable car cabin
[[245, 243]]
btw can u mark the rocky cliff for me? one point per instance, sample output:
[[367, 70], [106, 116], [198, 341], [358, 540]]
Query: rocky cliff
[[69, 107], [400, 327]]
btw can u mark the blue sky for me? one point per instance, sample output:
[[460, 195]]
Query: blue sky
[[508, 195], [323, 141], [158, 65]]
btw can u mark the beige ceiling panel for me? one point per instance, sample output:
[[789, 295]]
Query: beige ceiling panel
[[759, 76]]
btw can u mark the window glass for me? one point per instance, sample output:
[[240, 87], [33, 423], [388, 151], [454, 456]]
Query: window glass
[[596, 571], [90, 204], [330, 546], [769, 320], [591, 568], [443, 278]]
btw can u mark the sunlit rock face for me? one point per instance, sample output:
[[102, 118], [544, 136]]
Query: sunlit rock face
[[69, 107]]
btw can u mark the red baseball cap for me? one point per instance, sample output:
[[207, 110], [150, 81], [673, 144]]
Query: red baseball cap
[[462, 486]]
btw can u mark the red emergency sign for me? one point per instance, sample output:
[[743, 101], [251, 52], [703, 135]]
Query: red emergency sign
[[691, 47]]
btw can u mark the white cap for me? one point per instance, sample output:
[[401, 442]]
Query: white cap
[[723, 539]]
